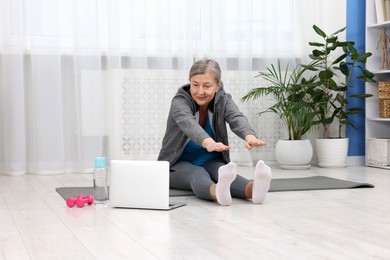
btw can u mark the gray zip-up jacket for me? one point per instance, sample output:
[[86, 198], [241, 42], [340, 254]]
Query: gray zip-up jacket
[[183, 125]]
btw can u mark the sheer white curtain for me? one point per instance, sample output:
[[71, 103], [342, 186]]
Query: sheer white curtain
[[80, 79]]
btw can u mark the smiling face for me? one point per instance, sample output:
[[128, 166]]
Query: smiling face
[[203, 88]]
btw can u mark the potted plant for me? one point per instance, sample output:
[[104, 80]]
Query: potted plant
[[295, 102], [334, 75]]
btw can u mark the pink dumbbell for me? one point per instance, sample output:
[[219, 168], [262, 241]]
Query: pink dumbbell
[[80, 201], [70, 202]]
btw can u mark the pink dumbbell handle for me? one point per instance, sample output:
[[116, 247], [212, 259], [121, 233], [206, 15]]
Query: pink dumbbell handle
[[80, 201]]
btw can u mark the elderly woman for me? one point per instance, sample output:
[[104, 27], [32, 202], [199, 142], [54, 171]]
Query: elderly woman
[[196, 140]]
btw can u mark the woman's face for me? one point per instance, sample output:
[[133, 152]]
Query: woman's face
[[203, 88]]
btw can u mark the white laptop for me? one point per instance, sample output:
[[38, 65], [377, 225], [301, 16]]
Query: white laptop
[[140, 184]]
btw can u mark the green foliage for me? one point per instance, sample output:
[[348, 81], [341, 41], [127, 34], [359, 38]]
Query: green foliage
[[302, 103], [349, 63], [295, 98]]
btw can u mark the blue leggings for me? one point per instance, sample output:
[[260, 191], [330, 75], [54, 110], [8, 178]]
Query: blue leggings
[[186, 176]]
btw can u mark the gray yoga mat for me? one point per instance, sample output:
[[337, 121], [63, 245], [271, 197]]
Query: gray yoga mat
[[286, 184]]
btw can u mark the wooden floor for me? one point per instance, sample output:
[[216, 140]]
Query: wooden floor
[[329, 224]]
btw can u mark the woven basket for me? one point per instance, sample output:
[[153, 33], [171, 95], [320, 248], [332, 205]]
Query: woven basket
[[384, 89], [384, 98], [384, 107], [378, 151]]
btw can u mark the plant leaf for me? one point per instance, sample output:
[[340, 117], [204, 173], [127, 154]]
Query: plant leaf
[[339, 31], [317, 44], [360, 96], [325, 75], [319, 31], [342, 57]]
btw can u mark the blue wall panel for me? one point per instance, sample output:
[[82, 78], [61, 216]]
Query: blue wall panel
[[356, 28]]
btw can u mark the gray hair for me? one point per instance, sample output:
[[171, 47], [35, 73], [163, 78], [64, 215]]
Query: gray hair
[[206, 66]]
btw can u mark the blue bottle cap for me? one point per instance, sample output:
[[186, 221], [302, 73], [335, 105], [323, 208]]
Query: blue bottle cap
[[100, 162]]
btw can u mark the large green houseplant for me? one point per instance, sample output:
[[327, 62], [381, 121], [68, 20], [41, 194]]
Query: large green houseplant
[[336, 63], [295, 101]]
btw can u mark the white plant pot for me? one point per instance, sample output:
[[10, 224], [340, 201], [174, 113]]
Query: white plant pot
[[332, 153], [294, 154]]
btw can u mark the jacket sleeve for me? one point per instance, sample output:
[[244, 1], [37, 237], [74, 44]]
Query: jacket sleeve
[[237, 121]]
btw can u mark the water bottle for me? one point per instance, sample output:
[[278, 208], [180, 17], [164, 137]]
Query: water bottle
[[100, 182]]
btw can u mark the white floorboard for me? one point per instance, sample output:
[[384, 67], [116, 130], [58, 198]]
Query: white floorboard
[[35, 223]]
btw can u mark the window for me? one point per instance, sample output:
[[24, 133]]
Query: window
[[233, 28]]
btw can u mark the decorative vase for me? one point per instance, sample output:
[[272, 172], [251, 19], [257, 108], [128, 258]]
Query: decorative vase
[[332, 153], [294, 154]]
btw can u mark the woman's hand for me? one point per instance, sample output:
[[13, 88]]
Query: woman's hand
[[213, 146], [252, 141]]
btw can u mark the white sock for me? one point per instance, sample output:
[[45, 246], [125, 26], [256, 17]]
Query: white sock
[[261, 182], [226, 175]]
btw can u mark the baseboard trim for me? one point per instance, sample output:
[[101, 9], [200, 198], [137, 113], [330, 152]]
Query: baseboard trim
[[356, 160]]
